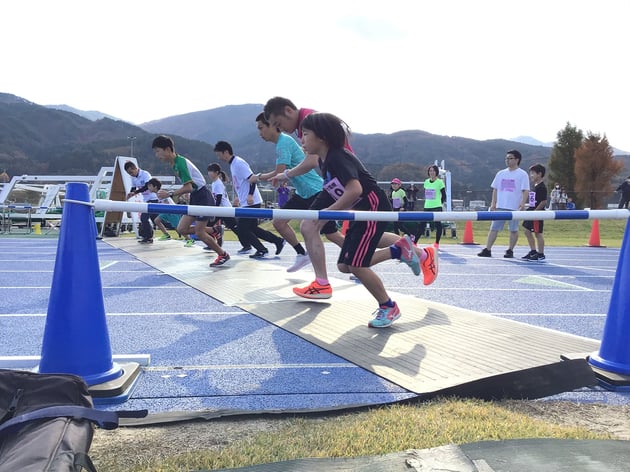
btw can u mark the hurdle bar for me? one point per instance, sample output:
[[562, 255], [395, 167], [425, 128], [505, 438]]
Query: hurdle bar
[[269, 213]]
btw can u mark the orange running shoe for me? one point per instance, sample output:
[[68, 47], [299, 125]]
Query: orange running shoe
[[430, 265], [314, 291]]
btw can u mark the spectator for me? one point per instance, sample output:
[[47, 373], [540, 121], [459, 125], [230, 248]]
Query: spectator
[[570, 204], [624, 188], [510, 192], [554, 197], [283, 194], [434, 198], [537, 201], [562, 200], [399, 203]]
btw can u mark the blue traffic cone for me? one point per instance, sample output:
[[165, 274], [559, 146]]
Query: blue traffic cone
[[76, 339], [614, 351]]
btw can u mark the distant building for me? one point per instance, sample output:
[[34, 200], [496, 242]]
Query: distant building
[[477, 205]]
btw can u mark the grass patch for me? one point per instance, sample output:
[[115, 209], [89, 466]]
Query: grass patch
[[375, 432], [575, 233], [572, 233]]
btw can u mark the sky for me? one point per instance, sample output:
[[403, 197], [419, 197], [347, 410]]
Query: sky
[[477, 69]]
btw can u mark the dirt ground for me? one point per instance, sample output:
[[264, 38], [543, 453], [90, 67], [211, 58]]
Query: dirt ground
[[128, 446]]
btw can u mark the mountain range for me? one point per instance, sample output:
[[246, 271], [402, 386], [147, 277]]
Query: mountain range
[[58, 139]]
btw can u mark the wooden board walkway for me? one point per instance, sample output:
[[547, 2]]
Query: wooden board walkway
[[431, 348]]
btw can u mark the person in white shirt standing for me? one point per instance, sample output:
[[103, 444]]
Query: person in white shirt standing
[[510, 192]]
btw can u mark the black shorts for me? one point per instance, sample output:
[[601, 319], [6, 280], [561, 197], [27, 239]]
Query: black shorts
[[315, 202], [202, 196], [362, 237], [535, 226]]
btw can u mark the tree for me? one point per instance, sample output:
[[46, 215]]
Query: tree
[[561, 167], [406, 172], [595, 168]]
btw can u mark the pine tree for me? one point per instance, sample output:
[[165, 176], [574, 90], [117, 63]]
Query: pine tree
[[561, 167], [595, 168]]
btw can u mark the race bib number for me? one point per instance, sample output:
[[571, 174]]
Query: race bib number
[[429, 194], [336, 189], [532, 199]]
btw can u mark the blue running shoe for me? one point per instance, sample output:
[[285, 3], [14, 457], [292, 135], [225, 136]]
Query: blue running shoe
[[385, 316]]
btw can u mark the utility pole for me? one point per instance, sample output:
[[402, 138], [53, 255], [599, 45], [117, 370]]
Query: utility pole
[[131, 140]]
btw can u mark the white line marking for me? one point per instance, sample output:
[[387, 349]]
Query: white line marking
[[191, 313], [252, 367], [108, 265], [564, 315]]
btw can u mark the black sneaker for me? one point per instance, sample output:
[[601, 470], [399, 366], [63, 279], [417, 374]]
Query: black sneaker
[[509, 254], [541, 257], [485, 253], [244, 250], [280, 246], [528, 256], [534, 257], [146, 241], [259, 254]]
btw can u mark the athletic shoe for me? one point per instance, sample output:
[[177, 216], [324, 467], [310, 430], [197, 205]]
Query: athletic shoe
[[408, 254], [541, 257], [220, 260], [208, 248], [314, 291], [164, 237], [430, 265], [259, 254], [385, 316], [528, 256], [301, 260], [244, 250], [146, 241], [280, 246], [189, 243], [509, 254], [485, 253], [533, 257]]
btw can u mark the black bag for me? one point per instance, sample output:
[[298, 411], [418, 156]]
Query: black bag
[[47, 422]]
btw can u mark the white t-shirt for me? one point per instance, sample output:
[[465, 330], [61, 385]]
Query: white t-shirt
[[241, 171], [510, 185], [218, 188]]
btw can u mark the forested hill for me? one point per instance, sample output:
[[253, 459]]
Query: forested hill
[[35, 139]]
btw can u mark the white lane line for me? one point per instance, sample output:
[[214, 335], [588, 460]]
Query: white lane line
[[250, 367], [109, 272], [106, 266], [546, 289], [191, 313], [135, 287], [561, 315]]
